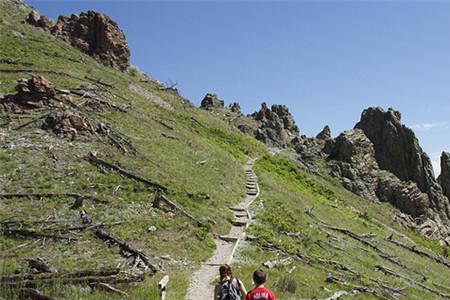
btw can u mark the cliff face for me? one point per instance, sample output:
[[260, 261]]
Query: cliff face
[[444, 178], [93, 33]]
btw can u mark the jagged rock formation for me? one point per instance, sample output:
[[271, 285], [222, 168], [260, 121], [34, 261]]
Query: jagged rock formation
[[276, 125], [32, 94], [93, 33], [381, 160], [211, 102], [444, 178], [397, 150], [325, 134], [235, 107]]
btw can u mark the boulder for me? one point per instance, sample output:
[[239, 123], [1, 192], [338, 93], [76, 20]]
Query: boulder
[[68, 123], [276, 126], [211, 102], [32, 94], [444, 178]]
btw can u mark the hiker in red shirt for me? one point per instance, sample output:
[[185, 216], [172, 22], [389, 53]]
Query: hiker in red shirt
[[260, 292]]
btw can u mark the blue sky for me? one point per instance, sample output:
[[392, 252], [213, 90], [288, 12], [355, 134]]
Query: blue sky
[[326, 60]]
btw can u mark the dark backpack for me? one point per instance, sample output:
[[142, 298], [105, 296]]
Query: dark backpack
[[228, 291]]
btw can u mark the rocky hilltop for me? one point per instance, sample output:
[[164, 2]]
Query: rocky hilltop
[[381, 160], [92, 32]]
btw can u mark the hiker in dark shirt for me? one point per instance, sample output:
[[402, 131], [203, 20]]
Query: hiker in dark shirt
[[229, 288], [260, 292]]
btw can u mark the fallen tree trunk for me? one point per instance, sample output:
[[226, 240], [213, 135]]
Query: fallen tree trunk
[[124, 247], [79, 198], [92, 158], [390, 272], [176, 207], [34, 234], [34, 294], [420, 252], [44, 276], [380, 252]]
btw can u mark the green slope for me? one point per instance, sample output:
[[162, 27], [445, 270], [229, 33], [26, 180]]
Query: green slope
[[203, 157]]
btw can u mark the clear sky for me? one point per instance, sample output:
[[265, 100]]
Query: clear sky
[[326, 60]]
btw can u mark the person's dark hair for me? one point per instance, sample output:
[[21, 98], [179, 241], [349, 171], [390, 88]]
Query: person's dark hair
[[259, 277], [224, 271]]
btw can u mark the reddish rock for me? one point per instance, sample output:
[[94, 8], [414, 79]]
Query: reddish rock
[[97, 35], [35, 19], [32, 94], [65, 122]]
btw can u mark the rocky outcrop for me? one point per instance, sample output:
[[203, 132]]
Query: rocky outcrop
[[32, 94], [325, 134], [211, 102], [444, 178], [396, 146], [397, 150], [35, 19], [93, 33], [235, 107], [276, 125], [68, 123]]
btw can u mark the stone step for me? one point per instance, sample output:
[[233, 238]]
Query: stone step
[[240, 215], [252, 193], [239, 223], [251, 186], [237, 208], [228, 238]]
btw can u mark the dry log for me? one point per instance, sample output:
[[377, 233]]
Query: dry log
[[92, 158], [31, 121], [124, 247], [98, 81], [34, 234], [197, 122], [390, 272], [168, 136], [109, 288], [46, 276], [34, 294], [176, 207], [418, 251], [79, 198], [38, 265], [163, 123], [380, 252]]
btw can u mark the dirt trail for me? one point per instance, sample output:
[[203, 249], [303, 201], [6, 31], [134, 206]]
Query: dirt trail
[[201, 287]]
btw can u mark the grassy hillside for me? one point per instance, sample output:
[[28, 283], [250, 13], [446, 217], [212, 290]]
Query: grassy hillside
[[304, 215], [199, 157], [201, 164]]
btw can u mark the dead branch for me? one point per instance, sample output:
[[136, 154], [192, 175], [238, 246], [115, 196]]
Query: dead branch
[[34, 294], [79, 198], [124, 247], [390, 272], [33, 234], [380, 252], [163, 123], [98, 81], [176, 207], [38, 265], [109, 288], [168, 136], [31, 122], [418, 251], [92, 158], [197, 122]]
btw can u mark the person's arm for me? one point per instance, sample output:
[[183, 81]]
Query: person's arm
[[217, 292], [242, 289]]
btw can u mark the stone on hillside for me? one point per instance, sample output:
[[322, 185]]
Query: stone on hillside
[[276, 125], [325, 134], [65, 122], [32, 94], [211, 101], [35, 19], [444, 178]]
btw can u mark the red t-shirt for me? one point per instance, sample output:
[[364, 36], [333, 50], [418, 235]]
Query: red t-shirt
[[261, 294]]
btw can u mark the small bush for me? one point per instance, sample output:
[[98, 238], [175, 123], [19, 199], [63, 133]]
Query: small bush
[[287, 284]]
